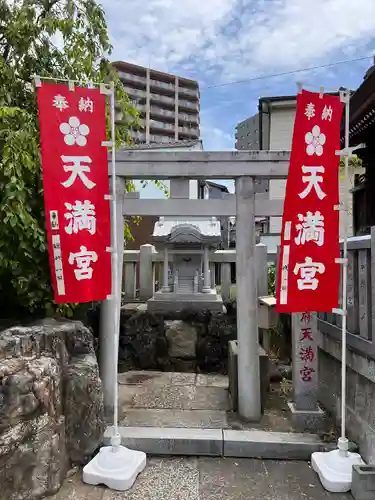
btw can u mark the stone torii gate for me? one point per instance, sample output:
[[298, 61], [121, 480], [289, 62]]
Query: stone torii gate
[[243, 167]]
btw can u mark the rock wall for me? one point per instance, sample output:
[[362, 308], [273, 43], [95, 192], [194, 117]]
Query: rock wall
[[186, 342], [51, 406]]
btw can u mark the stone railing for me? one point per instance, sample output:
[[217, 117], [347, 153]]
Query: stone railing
[[361, 290], [143, 269]]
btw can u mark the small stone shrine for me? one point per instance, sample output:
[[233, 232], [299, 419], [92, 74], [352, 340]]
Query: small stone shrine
[[188, 277]]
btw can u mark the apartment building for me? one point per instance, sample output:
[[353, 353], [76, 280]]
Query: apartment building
[[169, 105], [247, 134]]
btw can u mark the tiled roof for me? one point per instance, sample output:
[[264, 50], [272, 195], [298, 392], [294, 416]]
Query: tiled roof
[[165, 145], [205, 226]]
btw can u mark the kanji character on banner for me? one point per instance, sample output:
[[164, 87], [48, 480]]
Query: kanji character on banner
[[310, 228], [313, 181]]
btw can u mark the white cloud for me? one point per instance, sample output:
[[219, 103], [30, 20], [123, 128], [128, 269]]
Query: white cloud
[[216, 139], [237, 38], [163, 32], [220, 41], [292, 33]]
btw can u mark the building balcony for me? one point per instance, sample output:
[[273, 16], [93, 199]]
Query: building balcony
[[161, 125], [165, 113], [162, 99], [189, 131], [128, 77], [188, 105], [190, 92], [160, 139], [162, 85], [187, 118], [135, 92]]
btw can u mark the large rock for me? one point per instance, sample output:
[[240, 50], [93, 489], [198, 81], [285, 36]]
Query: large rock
[[182, 339], [51, 406], [142, 341], [33, 458], [212, 347], [84, 424]]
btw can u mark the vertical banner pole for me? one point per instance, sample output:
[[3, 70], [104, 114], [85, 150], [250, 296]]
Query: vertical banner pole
[[116, 292], [345, 270], [335, 468], [115, 466]]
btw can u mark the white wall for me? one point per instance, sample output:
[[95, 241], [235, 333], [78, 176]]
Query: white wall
[[281, 128], [277, 192], [281, 133]]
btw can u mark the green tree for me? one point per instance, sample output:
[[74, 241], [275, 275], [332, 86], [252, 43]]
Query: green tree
[[355, 167], [55, 38]]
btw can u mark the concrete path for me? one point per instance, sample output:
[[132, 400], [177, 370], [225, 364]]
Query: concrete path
[[211, 479], [162, 399]]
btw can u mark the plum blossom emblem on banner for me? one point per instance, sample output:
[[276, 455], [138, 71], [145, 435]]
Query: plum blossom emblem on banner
[[74, 132], [315, 141]]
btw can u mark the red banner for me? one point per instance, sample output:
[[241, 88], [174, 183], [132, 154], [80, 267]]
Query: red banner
[[308, 276], [75, 179]]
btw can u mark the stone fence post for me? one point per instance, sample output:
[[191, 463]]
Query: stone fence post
[[146, 272], [225, 280], [130, 280], [261, 264]]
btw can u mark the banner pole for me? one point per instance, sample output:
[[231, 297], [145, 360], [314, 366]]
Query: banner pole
[[345, 270], [115, 466], [115, 441], [335, 468]]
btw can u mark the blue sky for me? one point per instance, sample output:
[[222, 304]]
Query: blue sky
[[221, 41]]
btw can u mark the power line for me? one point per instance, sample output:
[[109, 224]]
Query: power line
[[284, 73]]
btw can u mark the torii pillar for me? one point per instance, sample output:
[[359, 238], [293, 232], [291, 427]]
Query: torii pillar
[[249, 401]]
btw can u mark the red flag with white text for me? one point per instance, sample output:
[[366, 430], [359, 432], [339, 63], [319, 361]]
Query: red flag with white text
[[75, 181], [308, 274]]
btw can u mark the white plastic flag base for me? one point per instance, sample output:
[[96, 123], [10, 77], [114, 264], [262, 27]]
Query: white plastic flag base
[[335, 467], [115, 466]]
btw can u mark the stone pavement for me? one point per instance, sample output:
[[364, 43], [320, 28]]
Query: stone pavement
[[163, 399], [206, 478]]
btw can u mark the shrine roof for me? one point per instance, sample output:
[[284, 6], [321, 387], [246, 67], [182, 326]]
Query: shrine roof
[[206, 227], [362, 110], [167, 145]]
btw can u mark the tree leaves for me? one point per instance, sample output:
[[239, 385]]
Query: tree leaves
[[54, 38]]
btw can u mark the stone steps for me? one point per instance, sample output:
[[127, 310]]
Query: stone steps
[[220, 442], [164, 413], [185, 285]]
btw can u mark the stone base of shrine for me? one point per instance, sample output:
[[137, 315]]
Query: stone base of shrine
[[164, 302], [307, 420]]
